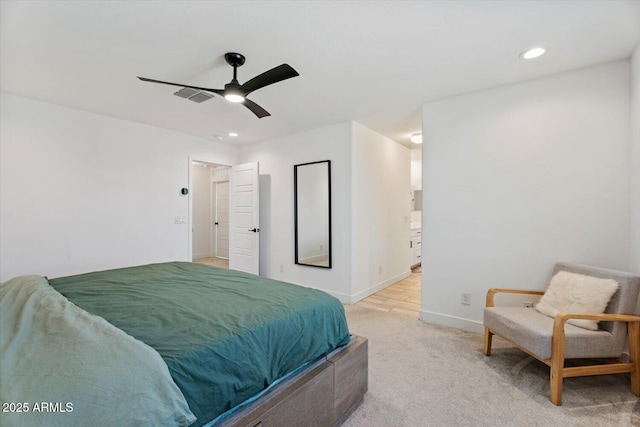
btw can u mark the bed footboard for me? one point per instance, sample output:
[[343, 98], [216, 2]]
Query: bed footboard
[[323, 394]]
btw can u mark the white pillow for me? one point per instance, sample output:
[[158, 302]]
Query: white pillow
[[577, 293]]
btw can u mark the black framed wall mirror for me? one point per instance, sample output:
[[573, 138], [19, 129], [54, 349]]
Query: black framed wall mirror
[[312, 205]]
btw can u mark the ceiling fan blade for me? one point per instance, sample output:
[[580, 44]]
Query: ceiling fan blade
[[274, 75], [218, 91], [255, 108]]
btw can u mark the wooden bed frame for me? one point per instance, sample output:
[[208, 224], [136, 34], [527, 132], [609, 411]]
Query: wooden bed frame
[[323, 394]]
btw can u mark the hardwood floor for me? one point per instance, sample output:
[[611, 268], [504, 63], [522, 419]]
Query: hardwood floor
[[216, 262], [402, 297]]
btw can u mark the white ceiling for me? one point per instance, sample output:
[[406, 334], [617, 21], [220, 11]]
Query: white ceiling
[[375, 62]]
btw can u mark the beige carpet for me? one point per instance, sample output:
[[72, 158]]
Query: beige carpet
[[425, 375]]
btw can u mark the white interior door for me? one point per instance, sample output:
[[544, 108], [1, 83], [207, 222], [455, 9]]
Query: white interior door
[[221, 223], [244, 218]]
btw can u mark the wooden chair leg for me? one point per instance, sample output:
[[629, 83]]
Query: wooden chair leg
[[634, 355], [558, 351], [488, 335], [556, 385]]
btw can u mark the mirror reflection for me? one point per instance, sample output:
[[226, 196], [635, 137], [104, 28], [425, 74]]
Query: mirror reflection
[[417, 201], [312, 204]]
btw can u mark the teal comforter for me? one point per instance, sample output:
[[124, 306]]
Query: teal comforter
[[225, 335]]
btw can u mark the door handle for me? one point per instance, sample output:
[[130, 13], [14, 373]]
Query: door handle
[[255, 230]]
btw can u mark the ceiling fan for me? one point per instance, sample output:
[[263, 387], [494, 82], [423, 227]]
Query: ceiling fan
[[234, 91]]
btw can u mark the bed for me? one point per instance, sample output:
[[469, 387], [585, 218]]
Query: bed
[[237, 349]]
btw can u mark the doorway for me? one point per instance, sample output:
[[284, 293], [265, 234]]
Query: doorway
[[405, 296], [243, 214], [210, 214]]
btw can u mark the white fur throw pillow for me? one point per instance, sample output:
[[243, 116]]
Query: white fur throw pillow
[[577, 293]]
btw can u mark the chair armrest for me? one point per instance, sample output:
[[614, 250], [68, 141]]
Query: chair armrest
[[561, 318], [491, 292], [558, 337]]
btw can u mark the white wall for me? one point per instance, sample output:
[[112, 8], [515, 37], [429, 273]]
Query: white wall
[[634, 157], [201, 215], [518, 177], [277, 157], [82, 192], [370, 181], [380, 211]]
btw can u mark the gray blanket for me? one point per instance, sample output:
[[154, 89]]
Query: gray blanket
[[61, 366]]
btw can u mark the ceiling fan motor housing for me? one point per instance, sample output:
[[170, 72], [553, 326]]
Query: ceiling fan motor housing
[[233, 92]]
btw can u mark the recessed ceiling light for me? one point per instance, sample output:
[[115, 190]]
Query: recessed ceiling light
[[233, 134], [416, 138], [532, 53]]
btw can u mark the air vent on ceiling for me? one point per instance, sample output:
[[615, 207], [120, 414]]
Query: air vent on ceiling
[[200, 97], [193, 95], [185, 92]]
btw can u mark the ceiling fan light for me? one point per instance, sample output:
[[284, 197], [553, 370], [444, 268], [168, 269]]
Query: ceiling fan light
[[416, 138], [233, 97]]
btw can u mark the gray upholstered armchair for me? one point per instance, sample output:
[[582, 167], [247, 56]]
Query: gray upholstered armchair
[[553, 340]]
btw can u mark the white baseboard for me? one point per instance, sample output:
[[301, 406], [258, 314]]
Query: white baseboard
[[200, 256], [343, 298], [378, 287], [451, 321], [352, 299]]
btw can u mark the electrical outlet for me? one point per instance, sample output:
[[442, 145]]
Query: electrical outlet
[[527, 304], [465, 298], [379, 269]]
